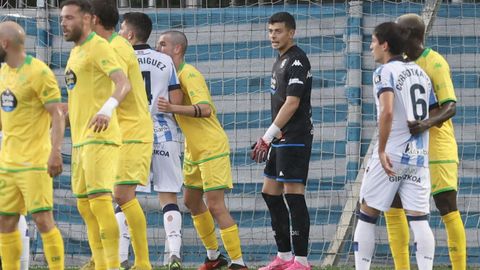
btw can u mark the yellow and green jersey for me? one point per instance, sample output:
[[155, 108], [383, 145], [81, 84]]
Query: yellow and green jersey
[[443, 146], [133, 115], [26, 123], [205, 139], [87, 77]]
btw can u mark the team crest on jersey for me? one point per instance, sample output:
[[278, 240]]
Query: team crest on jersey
[[70, 79], [9, 101], [273, 84]]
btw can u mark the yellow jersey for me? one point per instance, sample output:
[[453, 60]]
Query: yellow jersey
[[25, 90], [205, 139], [443, 146], [89, 86], [133, 115]]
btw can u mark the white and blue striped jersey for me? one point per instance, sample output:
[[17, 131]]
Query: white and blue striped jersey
[[413, 98], [160, 77]]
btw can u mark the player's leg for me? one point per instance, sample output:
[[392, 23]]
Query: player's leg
[[124, 242], [398, 234], [376, 194], [444, 189], [39, 201], [23, 229], [100, 166], [134, 165], [79, 190], [272, 192], [168, 180], [415, 195], [292, 162], [216, 177]]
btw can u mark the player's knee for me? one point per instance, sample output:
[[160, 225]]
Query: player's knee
[[367, 217], [44, 221], [446, 202], [8, 224], [217, 208]]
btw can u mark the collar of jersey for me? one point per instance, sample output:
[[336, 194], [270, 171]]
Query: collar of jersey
[[27, 61], [114, 35], [396, 58], [181, 66], [425, 52], [141, 47], [89, 37]]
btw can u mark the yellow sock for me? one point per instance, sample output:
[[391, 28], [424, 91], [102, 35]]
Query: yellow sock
[[54, 250], [398, 237], [137, 226], [93, 234], [109, 233], [457, 242], [206, 230], [231, 242], [10, 250]]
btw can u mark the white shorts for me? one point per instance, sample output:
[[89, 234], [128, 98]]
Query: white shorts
[[166, 170], [412, 184]]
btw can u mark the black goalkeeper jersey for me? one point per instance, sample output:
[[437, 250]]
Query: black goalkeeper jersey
[[291, 77]]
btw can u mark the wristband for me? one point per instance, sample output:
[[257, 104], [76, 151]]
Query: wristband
[[108, 107], [271, 133]]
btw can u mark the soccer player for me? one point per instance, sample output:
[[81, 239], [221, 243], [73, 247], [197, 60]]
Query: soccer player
[[206, 166], [137, 131], [289, 142], [31, 153], [91, 71], [403, 92], [161, 80], [443, 153]]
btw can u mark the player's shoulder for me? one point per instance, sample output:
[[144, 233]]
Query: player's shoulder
[[188, 72], [297, 57], [38, 67]]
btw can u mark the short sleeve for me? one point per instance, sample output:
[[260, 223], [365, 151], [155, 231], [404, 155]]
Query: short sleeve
[[196, 87], [47, 88], [173, 82], [297, 76], [442, 81], [382, 80], [432, 101], [104, 57]]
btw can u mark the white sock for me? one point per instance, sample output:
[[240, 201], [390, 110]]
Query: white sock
[[212, 254], [364, 239], [286, 256], [124, 242], [172, 221], [424, 242], [23, 229], [302, 260], [239, 261]]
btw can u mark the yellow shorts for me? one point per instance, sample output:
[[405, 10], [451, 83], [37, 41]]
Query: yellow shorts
[[209, 175], [26, 190], [444, 177], [94, 169], [134, 164]]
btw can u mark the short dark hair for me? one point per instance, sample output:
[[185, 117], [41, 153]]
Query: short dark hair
[[141, 24], [84, 5], [284, 17], [107, 12], [392, 33], [415, 26]]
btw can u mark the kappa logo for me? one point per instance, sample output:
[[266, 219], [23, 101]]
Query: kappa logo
[[297, 63], [281, 173]]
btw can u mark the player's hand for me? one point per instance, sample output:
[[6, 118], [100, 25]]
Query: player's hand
[[416, 127], [260, 151], [99, 123], [55, 164], [164, 105], [386, 164]]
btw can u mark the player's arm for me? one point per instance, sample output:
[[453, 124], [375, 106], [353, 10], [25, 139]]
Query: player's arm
[[175, 96], [437, 116], [55, 161], [386, 98], [122, 87]]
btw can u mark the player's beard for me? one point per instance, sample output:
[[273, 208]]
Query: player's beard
[[3, 55], [75, 34]]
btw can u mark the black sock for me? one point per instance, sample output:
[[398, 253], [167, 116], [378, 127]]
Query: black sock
[[300, 223], [280, 221]]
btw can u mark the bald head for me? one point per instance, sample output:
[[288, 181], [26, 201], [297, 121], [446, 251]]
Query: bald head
[[415, 25], [13, 33], [177, 38]]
